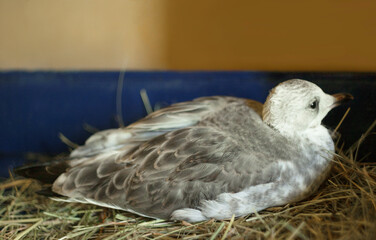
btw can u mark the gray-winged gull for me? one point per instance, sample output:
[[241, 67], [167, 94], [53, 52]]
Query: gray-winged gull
[[213, 157]]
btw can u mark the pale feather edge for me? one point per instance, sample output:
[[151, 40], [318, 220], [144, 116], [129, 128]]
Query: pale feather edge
[[101, 204]]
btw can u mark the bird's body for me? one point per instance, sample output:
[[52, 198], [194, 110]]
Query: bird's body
[[213, 157]]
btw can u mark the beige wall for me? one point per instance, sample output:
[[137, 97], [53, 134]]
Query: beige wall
[[188, 35]]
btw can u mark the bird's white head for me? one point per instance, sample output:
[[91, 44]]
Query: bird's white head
[[296, 105]]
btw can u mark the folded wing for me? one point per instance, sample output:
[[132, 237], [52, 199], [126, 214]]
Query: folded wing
[[177, 169], [174, 117]]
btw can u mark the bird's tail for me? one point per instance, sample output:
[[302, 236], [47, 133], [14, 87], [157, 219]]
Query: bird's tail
[[46, 172]]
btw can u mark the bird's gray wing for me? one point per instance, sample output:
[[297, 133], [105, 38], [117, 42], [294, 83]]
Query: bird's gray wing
[[175, 170], [174, 117]]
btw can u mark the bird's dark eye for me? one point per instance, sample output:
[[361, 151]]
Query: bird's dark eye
[[313, 104]]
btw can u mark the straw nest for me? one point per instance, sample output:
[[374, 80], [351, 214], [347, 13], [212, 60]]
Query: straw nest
[[343, 208]]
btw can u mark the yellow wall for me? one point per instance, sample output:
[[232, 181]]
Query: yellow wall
[[188, 35]]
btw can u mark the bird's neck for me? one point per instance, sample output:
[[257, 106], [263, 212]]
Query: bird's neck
[[315, 141], [318, 136]]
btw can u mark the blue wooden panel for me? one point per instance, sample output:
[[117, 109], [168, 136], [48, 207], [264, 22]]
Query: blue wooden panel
[[36, 106]]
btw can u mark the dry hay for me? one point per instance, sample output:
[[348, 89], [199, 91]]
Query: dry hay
[[343, 208]]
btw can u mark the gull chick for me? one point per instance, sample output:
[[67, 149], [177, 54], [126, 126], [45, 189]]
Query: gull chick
[[213, 157]]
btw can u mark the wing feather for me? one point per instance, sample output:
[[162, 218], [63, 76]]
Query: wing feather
[[174, 117]]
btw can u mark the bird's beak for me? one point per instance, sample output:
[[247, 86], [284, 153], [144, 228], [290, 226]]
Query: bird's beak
[[340, 98]]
